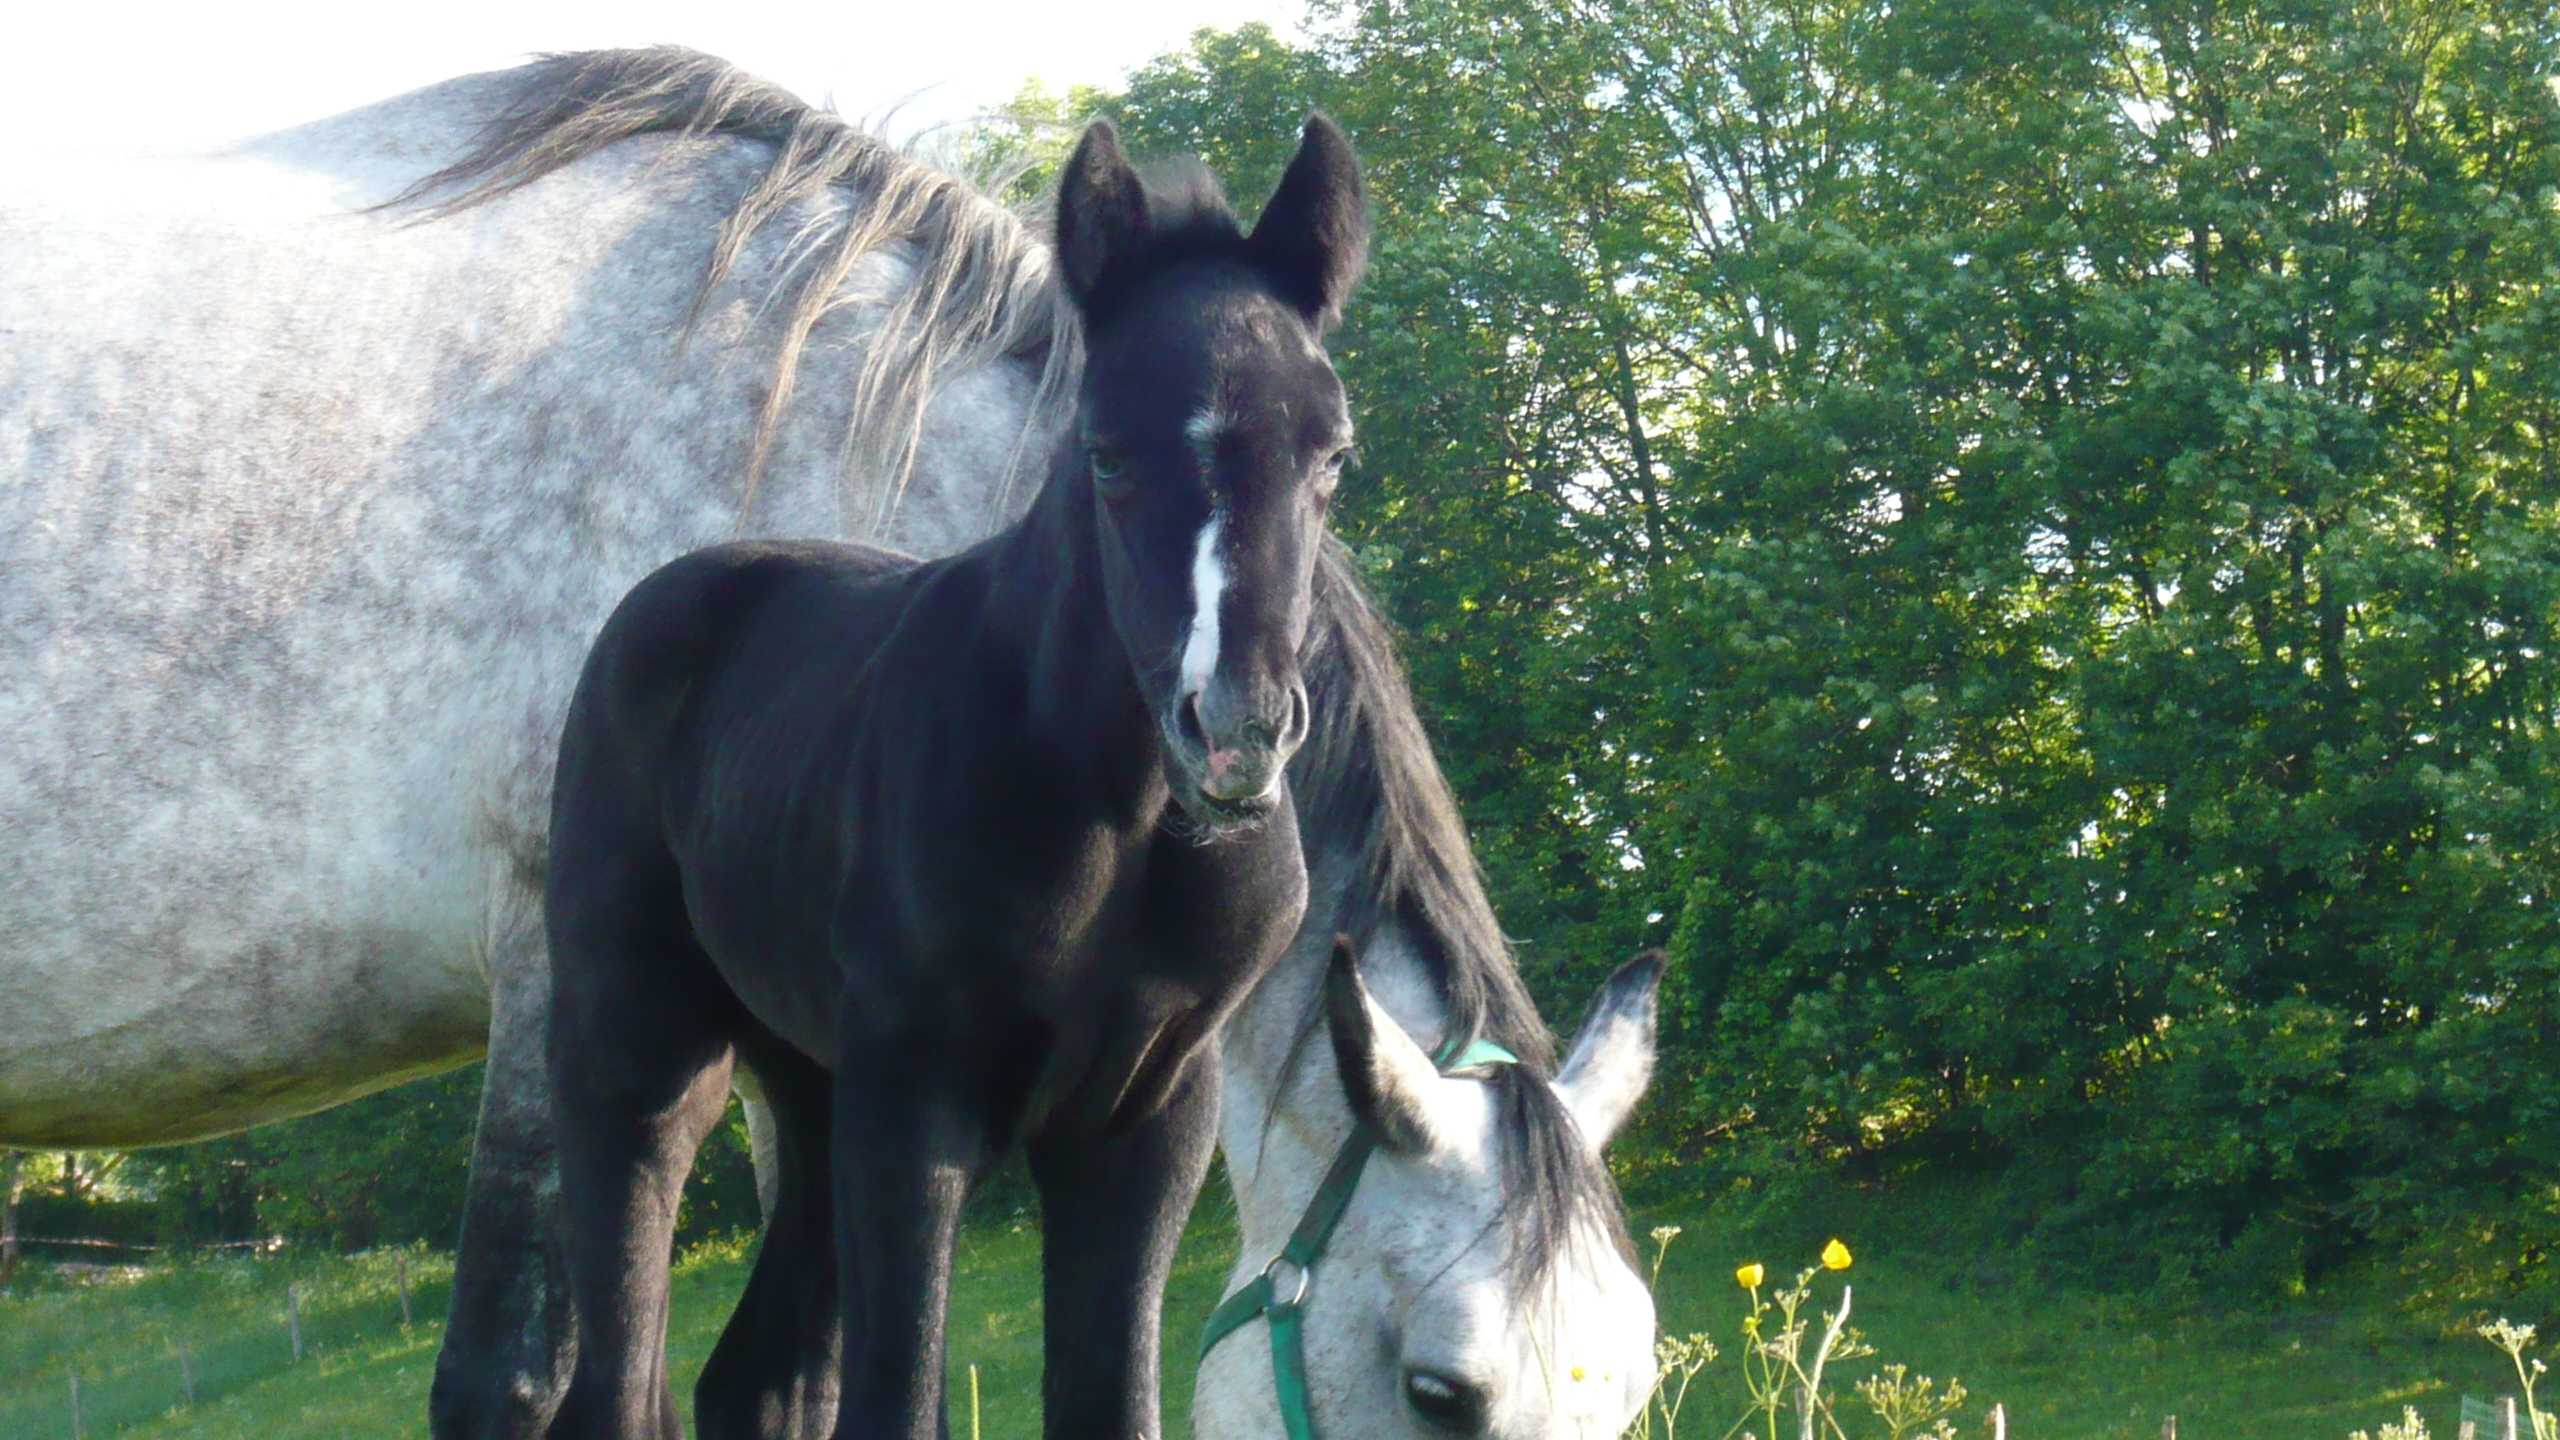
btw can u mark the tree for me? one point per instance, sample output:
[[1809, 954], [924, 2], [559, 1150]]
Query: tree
[[2018, 538]]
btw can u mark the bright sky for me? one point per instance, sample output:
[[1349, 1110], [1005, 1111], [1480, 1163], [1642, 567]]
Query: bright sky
[[163, 75]]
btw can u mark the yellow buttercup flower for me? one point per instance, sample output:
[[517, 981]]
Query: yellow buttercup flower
[[1835, 1256], [1751, 1276]]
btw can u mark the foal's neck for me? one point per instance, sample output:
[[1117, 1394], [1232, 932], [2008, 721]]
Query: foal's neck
[[1048, 607]]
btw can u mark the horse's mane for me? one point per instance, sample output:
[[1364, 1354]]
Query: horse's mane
[[982, 289], [1366, 780], [1366, 776]]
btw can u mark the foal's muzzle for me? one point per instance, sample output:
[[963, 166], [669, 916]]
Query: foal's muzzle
[[1230, 745]]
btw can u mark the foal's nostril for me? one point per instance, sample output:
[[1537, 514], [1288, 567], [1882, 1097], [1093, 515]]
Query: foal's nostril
[[1449, 1403], [1186, 719], [1295, 734]]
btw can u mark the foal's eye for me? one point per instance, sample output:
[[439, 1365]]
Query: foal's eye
[[1329, 477], [1109, 474]]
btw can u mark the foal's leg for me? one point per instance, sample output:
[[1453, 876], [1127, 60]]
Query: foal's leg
[[510, 1337], [908, 1147], [640, 1058], [1112, 1211], [626, 1146], [773, 1374]]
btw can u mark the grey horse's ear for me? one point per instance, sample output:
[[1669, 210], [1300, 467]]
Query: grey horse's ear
[[1313, 238], [1611, 1062], [1389, 1080], [1102, 212]]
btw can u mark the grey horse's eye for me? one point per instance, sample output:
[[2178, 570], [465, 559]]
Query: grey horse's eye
[[1449, 1403]]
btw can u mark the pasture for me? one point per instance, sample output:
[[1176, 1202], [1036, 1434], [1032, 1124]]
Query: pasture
[[2067, 1367]]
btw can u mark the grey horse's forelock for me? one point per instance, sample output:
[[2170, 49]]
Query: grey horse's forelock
[[982, 289], [1366, 781]]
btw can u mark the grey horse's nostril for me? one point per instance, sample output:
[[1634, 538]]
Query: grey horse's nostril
[[1451, 1405]]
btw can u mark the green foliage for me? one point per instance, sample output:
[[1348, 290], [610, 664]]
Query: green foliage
[[389, 1169], [386, 1169], [2018, 539], [720, 1196]]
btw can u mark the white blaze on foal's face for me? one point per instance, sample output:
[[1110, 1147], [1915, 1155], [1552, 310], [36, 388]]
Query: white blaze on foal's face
[[1208, 582], [1208, 570]]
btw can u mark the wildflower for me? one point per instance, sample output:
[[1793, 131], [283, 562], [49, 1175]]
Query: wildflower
[[1579, 1372], [1835, 1256], [1665, 1234], [1751, 1275]]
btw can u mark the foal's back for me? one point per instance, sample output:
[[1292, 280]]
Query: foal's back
[[712, 733]]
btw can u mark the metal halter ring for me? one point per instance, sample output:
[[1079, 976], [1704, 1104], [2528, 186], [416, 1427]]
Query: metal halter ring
[[1305, 1276]]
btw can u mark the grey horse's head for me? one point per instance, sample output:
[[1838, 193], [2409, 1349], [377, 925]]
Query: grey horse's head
[[1434, 1314]]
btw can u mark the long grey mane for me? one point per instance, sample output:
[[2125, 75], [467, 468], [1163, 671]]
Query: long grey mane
[[1366, 780], [981, 292]]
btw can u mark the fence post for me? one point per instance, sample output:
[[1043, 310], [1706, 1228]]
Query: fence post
[[186, 1375], [400, 1269], [1999, 1422], [76, 1432], [293, 1316], [2169, 1428], [12, 1163], [2507, 1418]]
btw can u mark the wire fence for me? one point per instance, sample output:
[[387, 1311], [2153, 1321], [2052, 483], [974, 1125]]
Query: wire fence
[[204, 1329]]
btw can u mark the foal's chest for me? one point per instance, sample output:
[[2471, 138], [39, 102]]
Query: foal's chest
[[1089, 968]]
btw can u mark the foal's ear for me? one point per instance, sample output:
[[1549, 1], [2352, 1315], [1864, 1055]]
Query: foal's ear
[[1102, 211], [1612, 1058], [1313, 238], [1387, 1077]]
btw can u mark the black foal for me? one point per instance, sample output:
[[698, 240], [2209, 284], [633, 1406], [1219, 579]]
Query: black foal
[[960, 855]]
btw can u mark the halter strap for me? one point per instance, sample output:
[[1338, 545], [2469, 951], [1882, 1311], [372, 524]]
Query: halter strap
[[1474, 1054], [1260, 1297]]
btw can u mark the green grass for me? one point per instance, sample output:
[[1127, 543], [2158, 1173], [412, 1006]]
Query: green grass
[[2068, 1368], [2073, 1367], [363, 1376]]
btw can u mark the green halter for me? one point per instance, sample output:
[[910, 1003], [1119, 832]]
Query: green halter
[[1261, 1297]]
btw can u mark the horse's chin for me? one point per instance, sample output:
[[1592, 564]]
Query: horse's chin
[[1209, 818]]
